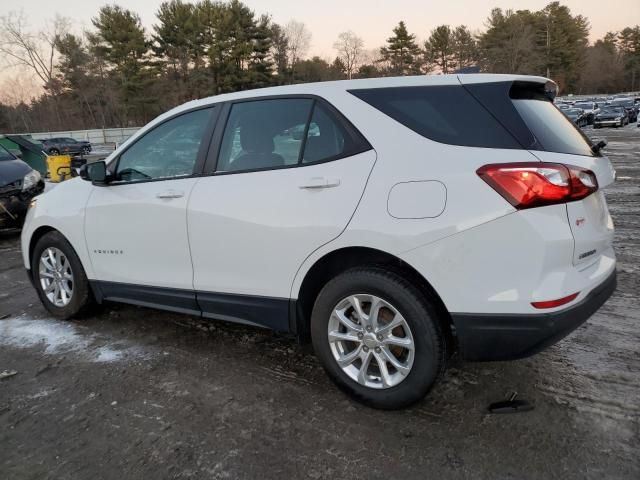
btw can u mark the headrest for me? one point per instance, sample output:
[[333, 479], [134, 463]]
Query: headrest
[[255, 138]]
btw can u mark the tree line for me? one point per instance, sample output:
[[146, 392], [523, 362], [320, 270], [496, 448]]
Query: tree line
[[119, 74]]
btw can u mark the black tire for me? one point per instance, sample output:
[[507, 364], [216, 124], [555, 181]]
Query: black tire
[[82, 300], [86, 150], [54, 151], [421, 316]]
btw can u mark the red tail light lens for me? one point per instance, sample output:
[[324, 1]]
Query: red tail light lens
[[534, 184]]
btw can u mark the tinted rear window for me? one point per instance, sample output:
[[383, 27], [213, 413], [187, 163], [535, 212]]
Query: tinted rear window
[[550, 127], [446, 114]]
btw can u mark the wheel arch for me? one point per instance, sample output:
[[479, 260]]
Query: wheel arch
[[37, 234], [337, 261]]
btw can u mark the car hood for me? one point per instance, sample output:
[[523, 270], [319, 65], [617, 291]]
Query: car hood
[[12, 170]]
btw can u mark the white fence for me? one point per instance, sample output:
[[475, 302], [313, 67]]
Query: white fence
[[103, 135]]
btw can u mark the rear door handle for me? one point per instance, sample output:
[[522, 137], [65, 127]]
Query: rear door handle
[[170, 194], [320, 182]]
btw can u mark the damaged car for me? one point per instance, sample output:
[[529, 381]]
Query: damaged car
[[19, 183]]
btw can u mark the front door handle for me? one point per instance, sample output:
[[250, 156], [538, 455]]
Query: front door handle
[[170, 194], [320, 182]]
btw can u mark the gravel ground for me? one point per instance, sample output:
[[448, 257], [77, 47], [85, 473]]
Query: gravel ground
[[137, 393]]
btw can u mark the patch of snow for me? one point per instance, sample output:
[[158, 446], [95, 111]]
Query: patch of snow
[[59, 337]]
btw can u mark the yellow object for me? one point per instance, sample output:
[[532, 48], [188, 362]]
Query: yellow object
[[59, 167]]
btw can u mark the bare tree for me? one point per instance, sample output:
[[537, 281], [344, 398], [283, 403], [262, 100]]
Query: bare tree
[[17, 91], [299, 40], [35, 51], [350, 49]]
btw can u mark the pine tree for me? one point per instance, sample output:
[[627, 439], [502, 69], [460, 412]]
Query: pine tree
[[401, 52], [176, 45], [440, 48], [629, 43], [120, 40], [261, 63]]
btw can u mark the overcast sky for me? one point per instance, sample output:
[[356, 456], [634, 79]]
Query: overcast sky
[[372, 20]]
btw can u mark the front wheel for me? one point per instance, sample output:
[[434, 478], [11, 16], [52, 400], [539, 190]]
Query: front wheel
[[378, 337], [59, 278]]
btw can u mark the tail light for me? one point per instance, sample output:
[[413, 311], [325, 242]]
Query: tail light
[[534, 184]]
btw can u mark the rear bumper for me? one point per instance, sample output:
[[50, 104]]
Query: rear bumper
[[487, 337]]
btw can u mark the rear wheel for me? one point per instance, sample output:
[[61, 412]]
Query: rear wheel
[[378, 337], [54, 151], [59, 278], [86, 150]]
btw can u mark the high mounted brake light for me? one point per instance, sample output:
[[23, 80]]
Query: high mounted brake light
[[535, 184]]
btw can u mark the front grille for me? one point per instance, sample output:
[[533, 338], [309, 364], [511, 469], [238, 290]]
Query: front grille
[[11, 188]]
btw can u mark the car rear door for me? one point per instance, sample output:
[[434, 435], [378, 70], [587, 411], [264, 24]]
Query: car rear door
[[271, 198]]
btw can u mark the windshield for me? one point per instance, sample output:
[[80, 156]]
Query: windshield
[[585, 106], [573, 111], [5, 154], [611, 110]]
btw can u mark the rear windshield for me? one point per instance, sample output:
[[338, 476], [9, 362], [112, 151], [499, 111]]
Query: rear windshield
[[446, 114]]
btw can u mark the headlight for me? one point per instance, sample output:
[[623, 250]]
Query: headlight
[[618, 119], [30, 179]]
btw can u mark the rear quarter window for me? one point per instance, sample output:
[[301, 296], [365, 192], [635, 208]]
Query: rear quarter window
[[446, 114]]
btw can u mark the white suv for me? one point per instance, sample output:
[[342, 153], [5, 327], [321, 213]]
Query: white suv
[[389, 221]]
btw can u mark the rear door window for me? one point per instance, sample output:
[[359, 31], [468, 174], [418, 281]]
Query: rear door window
[[264, 134], [446, 114], [285, 132]]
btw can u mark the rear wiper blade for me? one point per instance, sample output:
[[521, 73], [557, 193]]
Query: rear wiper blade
[[598, 146]]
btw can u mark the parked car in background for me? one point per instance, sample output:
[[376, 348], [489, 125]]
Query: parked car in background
[[577, 116], [413, 216], [629, 105], [562, 105], [65, 146], [611, 116], [589, 108], [19, 183]]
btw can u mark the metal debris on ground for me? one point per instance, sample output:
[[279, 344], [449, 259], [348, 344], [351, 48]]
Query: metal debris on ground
[[510, 406]]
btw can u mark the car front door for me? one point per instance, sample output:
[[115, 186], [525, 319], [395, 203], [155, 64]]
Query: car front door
[[286, 178], [136, 225]]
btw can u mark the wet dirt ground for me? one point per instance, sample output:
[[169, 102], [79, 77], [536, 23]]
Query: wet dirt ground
[[137, 393]]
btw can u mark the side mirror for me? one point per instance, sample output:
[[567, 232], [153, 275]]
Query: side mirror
[[95, 172]]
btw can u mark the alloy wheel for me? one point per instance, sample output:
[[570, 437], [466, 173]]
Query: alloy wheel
[[371, 341], [56, 276]]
